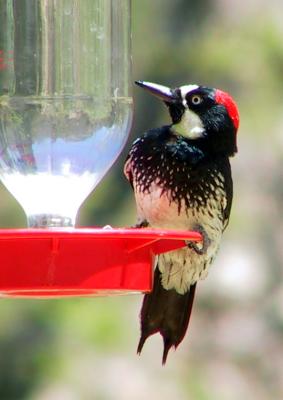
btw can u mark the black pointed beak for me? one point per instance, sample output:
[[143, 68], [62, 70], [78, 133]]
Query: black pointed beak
[[162, 92]]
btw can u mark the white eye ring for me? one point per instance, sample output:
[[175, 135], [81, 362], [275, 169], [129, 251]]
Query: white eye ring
[[196, 99]]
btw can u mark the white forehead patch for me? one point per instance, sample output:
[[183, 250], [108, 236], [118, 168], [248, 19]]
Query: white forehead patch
[[185, 90], [188, 88]]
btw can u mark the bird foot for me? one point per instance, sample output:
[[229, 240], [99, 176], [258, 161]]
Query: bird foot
[[142, 224], [205, 241]]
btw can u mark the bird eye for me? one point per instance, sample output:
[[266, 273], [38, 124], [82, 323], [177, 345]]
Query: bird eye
[[196, 99]]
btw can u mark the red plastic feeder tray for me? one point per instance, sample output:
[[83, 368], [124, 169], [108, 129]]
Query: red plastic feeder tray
[[82, 262]]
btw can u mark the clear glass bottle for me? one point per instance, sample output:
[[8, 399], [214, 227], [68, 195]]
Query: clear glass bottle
[[65, 106]]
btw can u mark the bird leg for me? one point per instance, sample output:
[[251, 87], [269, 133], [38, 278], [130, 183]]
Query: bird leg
[[205, 241]]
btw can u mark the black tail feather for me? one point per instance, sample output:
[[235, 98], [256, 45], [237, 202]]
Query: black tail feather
[[167, 346], [166, 312], [141, 343]]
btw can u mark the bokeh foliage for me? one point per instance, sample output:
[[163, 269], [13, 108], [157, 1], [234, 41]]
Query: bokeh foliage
[[85, 348]]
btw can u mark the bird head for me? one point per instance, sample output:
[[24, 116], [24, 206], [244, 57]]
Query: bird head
[[209, 117]]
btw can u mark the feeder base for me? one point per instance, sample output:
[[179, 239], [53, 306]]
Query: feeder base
[[82, 262]]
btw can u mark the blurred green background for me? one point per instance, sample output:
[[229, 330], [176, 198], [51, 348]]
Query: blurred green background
[[85, 348]]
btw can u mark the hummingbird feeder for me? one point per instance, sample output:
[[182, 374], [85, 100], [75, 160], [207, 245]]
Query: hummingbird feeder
[[65, 115]]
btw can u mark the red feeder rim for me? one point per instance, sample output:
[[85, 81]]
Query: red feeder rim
[[82, 262]]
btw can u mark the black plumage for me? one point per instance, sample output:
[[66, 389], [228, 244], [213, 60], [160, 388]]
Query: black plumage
[[181, 177], [180, 168], [163, 311]]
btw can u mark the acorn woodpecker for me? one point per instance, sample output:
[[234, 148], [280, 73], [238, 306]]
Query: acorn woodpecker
[[181, 177]]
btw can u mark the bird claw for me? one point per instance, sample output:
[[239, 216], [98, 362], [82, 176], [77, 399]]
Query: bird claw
[[193, 246], [205, 242], [142, 224]]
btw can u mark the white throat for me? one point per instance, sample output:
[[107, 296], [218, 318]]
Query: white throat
[[190, 126]]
